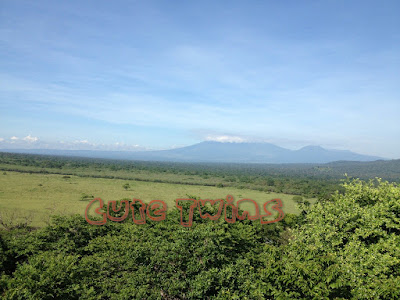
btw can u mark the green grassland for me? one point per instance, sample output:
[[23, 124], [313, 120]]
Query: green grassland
[[264, 178], [42, 195]]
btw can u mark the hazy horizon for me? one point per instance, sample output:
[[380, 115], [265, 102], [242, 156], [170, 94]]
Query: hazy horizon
[[160, 75], [71, 148]]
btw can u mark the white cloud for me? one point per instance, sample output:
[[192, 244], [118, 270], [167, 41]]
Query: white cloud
[[225, 138], [30, 139], [82, 142], [31, 142]]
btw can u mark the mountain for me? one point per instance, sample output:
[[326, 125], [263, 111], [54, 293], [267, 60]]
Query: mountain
[[317, 154], [220, 152]]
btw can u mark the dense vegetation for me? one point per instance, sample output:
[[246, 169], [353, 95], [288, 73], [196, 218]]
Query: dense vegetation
[[347, 247]]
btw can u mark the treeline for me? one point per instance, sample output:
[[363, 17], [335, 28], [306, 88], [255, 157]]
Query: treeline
[[347, 247], [309, 180]]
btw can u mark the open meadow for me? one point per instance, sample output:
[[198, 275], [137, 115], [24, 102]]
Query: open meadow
[[42, 195]]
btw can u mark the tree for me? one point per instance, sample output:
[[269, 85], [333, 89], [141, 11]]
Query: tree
[[126, 186], [71, 259], [348, 248]]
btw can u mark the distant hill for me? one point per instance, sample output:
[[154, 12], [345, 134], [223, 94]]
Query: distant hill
[[219, 152]]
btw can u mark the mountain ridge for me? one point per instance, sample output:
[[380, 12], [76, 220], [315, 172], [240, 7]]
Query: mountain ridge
[[212, 151]]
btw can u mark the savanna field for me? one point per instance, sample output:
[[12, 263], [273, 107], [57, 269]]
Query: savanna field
[[41, 195]]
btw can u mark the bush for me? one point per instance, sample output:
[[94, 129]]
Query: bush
[[71, 259], [297, 198], [348, 248], [85, 197], [14, 218]]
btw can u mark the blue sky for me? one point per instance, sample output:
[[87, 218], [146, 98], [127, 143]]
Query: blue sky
[[162, 74]]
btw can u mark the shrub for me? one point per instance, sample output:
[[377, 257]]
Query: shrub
[[85, 197], [348, 248]]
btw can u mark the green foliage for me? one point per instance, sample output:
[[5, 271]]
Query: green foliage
[[72, 259], [3, 253], [348, 248], [193, 197], [297, 198], [85, 197], [126, 186], [302, 203]]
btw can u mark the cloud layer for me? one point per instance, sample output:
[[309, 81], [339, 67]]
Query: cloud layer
[[30, 142]]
